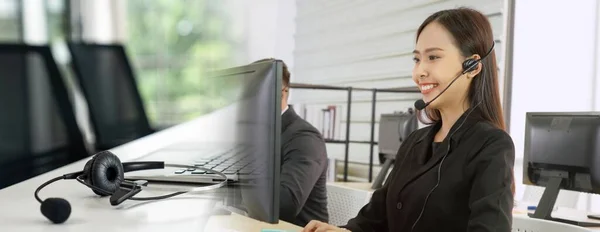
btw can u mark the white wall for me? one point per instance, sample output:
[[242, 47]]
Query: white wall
[[266, 26], [366, 43], [102, 21], [35, 29], [269, 26], [554, 62]]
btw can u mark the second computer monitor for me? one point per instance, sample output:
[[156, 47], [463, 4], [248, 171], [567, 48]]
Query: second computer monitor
[[394, 129], [562, 151], [255, 91]]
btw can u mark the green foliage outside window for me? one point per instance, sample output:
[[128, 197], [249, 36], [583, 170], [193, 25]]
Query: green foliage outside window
[[171, 43], [10, 25]]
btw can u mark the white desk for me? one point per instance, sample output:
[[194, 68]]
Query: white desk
[[520, 211], [19, 211], [354, 185], [564, 213]]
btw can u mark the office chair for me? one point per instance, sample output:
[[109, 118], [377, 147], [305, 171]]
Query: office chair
[[38, 129], [393, 129], [107, 81], [344, 203]]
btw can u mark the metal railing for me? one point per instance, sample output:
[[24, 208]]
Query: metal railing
[[347, 140]]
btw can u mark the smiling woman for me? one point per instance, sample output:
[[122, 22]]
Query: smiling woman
[[466, 42], [457, 174], [446, 58]]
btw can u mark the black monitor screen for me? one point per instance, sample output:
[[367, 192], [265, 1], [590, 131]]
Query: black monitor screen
[[561, 145], [393, 129], [255, 93]]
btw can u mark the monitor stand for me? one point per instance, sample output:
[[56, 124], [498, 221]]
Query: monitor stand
[[546, 205]]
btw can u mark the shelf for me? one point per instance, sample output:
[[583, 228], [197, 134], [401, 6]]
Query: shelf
[[400, 90], [349, 90], [311, 86], [331, 87], [351, 141]]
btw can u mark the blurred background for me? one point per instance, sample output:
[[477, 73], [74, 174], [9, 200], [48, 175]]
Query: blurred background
[[169, 43], [547, 51]]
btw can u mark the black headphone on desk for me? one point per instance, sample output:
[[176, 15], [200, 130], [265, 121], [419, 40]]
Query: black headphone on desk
[[105, 175]]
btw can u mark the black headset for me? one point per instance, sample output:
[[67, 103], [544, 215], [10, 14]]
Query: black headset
[[468, 65], [105, 175]]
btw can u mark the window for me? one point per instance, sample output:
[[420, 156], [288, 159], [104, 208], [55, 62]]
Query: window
[[57, 19], [10, 23], [170, 44]]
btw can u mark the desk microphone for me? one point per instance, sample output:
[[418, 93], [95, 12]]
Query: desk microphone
[[56, 210]]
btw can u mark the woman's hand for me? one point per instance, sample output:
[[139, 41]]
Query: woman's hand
[[317, 226]]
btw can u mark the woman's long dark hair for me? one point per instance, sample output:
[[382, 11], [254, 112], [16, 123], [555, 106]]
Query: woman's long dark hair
[[472, 34]]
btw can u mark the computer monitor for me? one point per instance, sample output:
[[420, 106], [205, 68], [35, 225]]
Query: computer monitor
[[393, 130], [256, 90], [562, 151]]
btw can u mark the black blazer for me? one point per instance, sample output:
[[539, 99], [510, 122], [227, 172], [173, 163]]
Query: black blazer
[[303, 193], [474, 191]]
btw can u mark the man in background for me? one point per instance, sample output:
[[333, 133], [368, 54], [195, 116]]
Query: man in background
[[303, 193]]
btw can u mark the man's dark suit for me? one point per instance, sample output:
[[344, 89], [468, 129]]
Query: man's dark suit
[[303, 194]]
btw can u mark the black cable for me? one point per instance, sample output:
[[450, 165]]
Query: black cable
[[132, 198], [448, 151], [156, 198], [93, 187], [440, 169], [44, 185]]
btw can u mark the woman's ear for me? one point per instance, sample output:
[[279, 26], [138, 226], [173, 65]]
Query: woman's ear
[[477, 69]]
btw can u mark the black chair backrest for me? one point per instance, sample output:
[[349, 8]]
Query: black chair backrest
[[38, 128], [108, 83]]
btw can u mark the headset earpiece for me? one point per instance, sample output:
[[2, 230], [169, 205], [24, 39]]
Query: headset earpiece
[[469, 65], [104, 171], [87, 173]]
